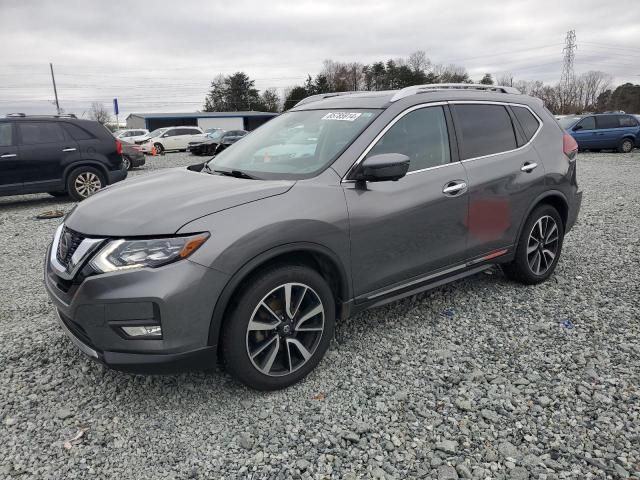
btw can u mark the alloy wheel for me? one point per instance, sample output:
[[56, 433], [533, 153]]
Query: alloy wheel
[[543, 244], [87, 183], [285, 329]]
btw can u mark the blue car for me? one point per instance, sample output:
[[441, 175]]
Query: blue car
[[603, 131]]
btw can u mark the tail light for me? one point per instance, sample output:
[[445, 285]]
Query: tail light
[[118, 147], [569, 146]]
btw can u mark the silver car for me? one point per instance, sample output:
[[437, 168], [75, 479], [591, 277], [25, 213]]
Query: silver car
[[252, 257]]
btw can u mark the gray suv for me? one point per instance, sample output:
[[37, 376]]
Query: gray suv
[[345, 202]]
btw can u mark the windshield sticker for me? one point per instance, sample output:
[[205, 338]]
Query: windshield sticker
[[346, 116]]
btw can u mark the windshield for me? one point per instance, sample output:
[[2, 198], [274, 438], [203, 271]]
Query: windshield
[[294, 145], [216, 135], [568, 122], [157, 132]]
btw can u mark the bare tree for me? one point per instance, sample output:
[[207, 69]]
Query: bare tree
[[593, 84], [98, 113], [418, 61], [506, 79]]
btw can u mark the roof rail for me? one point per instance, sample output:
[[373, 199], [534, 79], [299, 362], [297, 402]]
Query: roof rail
[[321, 96], [415, 89], [61, 115]]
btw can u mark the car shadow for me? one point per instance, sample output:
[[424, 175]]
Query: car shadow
[[32, 201]]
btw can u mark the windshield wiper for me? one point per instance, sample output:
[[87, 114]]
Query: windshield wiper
[[237, 174]]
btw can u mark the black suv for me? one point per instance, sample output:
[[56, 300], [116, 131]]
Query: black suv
[[59, 154]]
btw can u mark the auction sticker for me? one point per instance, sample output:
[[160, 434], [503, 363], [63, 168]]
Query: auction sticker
[[346, 116]]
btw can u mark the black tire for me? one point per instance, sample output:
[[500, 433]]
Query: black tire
[[523, 267], [94, 181], [626, 145], [238, 341], [58, 194], [159, 148]]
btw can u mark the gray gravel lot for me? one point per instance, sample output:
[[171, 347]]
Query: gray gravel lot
[[477, 379]]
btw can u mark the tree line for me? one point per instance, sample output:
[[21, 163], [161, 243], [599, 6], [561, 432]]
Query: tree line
[[590, 92]]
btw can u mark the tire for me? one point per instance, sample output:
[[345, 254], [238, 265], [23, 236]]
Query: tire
[[159, 148], [279, 349], [58, 194], [626, 145], [84, 182], [535, 266], [126, 162]]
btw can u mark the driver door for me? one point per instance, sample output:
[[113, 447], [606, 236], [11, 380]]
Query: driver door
[[406, 229], [585, 133]]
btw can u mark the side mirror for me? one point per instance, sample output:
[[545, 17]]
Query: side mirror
[[577, 127], [383, 167], [164, 135]]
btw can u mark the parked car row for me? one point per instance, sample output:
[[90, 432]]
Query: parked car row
[[613, 131]]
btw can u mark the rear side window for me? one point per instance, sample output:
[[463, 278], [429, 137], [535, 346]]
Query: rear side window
[[485, 130], [33, 133], [628, 121], [607, 121], [6, 135], [77, 133], [527, 121], [421, 135]]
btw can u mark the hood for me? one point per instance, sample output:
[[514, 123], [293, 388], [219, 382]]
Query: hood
[[162, 203]]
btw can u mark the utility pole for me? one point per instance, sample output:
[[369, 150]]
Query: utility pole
[[568, 78], [55, 90]]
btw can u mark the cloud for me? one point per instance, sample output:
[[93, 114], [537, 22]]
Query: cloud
[[161, 55]]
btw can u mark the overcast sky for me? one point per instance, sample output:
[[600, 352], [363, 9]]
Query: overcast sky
[[161, 55]]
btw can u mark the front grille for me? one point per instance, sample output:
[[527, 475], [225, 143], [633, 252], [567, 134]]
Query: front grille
[[67, 245]]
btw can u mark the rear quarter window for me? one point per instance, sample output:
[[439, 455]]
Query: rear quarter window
[[527, 121], [484, 130], [77, 133], [628, 121]]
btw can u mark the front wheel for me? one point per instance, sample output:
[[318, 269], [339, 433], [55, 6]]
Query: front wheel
[[626, 145], [280, 328], [539, 247], [159, 148]]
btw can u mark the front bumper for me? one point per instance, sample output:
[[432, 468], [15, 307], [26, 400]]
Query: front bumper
[[179, 297]]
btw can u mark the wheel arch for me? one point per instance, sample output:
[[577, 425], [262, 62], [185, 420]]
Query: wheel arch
[[556, 199], [84, 163], [316, 256]]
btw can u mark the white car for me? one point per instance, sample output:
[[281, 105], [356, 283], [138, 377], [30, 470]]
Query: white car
[[131, 135], [171, 138]]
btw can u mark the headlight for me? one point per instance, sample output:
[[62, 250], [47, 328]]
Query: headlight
[[127, 254]]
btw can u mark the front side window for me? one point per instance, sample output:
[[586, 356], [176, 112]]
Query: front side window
[[295, 145], [6, 135], [588, 123], [421, 135], [485, 130], [33, 133], [607, 121]]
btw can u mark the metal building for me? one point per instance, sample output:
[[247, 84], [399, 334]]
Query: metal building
[[204, 120]]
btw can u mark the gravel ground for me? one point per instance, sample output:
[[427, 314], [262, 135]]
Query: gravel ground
[[478, 379]]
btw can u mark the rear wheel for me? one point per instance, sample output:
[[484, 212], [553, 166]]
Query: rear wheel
[[280, 328], [626, 145], [126, 163], [84, 182], [539, 247]]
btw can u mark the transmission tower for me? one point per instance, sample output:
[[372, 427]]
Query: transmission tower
[[568, 77]]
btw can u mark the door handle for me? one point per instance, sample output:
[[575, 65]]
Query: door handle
[[454, 187], [8, 155], [70, 149], [528, 167]]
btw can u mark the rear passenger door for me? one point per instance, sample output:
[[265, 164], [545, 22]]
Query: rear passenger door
[[608, 131], [44, 149], [504, 171]]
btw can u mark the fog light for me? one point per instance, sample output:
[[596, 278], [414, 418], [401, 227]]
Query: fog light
[[144, 331]]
